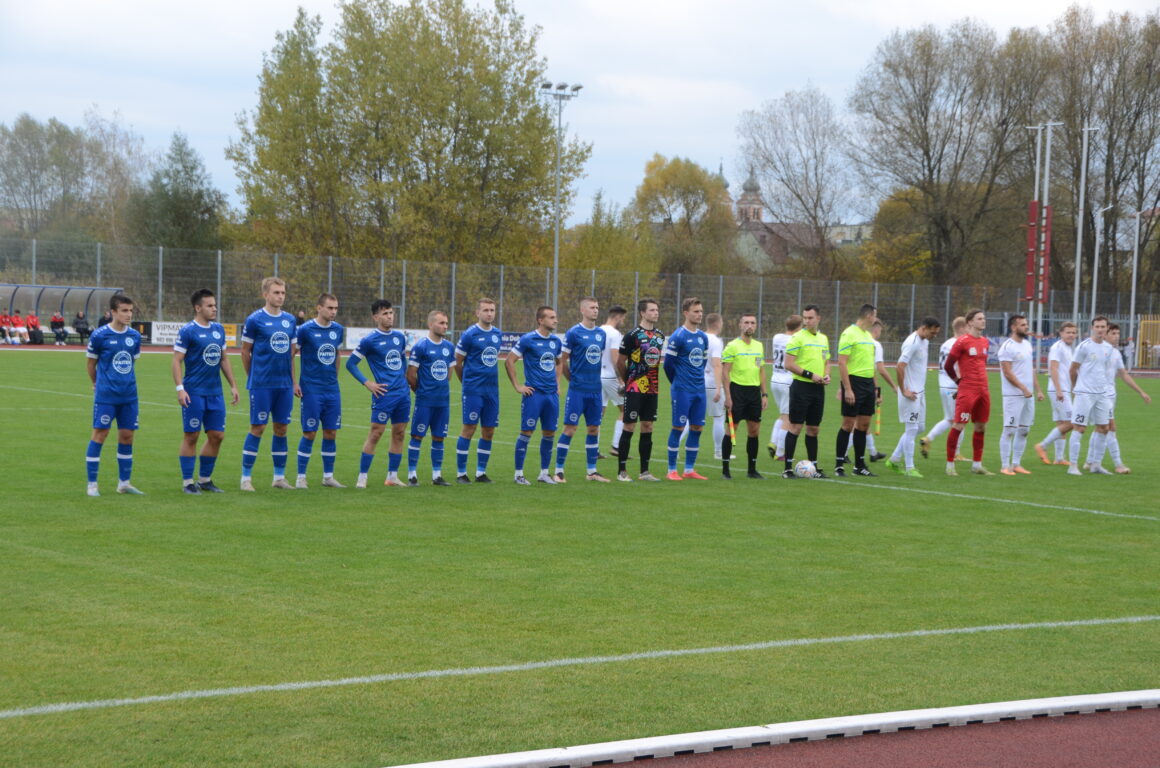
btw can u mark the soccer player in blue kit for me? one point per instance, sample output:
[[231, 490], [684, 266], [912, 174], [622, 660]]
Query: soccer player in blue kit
[[427, 373], [477, 366], [268, 357], [112, 354], [540, 350], [686, 354], [319, 341], [583, 355], [385, 351], [200, 348]]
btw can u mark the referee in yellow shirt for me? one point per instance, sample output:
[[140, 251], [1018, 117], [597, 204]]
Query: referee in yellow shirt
[[745, 396], [807, 357], [859, 399]]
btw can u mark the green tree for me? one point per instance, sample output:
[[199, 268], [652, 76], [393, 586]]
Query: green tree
[[417, 132], [612, 239], [179, 207]]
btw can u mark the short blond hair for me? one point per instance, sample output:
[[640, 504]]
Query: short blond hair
[[269, 281]]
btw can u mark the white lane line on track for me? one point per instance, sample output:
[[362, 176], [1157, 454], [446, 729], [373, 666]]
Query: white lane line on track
[[994, 500], [75, 706]]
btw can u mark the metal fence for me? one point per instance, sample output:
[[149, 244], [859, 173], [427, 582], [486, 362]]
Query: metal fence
[[160, 281]]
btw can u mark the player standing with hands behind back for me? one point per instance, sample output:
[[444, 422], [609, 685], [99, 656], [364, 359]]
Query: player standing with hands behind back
[[745, 396], [112, 355], [807, 357], [966, 365]]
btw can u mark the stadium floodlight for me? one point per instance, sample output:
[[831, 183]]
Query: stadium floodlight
[[1096, 255], [560, 94], [1087, 129]]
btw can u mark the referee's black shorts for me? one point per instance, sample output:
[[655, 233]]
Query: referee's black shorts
[[807, 402], [865, 397], [746, 401]]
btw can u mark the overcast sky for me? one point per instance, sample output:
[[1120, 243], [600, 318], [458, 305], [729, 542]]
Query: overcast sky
[[669, 77]]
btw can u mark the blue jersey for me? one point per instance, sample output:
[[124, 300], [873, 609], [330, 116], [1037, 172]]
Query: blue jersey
[[689, 351], [480, 350], [273, 340], [385, 353], [434, 361], [318, 346], [585, 348], [116, 354], [202, 346], [539, 354]]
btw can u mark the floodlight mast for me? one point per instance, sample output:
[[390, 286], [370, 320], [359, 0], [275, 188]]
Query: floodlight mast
[[1096, 255], [560, 93], [1080, 216]]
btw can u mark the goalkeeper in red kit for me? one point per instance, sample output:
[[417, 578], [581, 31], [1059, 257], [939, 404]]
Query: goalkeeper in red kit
[[967, 366]]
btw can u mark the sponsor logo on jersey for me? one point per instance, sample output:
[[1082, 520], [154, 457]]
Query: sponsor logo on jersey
[[217, 335], [652, 356], [697, 357], [280, 342], [420, 427], [446, 352], [381, 416], [212, 354], [393, 360], [439, 369], [474, 415], [333, 335], [547, 361], [489, 357], [106, 419], [327, 354], [123, 362], [593, 354], [263, 416], [285, 323], [494, 339]]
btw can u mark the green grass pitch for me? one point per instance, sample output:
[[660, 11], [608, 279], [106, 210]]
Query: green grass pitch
[[121, 597]]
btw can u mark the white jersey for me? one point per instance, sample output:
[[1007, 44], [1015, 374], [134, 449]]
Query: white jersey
[[944, 381], [716, 347], [1018, 354], [612, 338], [1093, 358], [780, 374], [879, 355], [1061, 353], [915, 351], [1115, 365]]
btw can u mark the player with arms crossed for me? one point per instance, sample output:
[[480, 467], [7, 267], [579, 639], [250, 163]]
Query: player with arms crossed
[[581, 365], [911, 373], [610, 383], [319, 341], [477, 366], [1059, 393], [638, 364], [427, 373], [385, 351], [111, 360], [1115, 368], [947, 391], [540, 350], [1016, 363], [779, 383], [966, 365], [745, 398], [200, 347], [268, 357], [685, 360], [807, 358]]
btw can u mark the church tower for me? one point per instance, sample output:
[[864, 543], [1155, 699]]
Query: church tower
[[749, 205]]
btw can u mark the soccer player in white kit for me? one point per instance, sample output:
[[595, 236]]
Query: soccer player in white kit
[[947, 390], [1059, 393], [779, 387], [1089, 383], [911, 373], [1016, 364], [610, 384], [1115, 368]]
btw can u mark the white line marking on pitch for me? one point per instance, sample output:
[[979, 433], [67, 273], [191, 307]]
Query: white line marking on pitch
[[995, 500], [49, 709]]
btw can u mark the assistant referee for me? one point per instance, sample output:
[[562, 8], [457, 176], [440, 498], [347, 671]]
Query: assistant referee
[[745, 397], [859, 399]]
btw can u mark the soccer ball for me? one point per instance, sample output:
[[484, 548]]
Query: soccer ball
[[804, 468]]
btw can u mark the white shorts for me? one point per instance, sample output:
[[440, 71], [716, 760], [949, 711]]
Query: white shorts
[[948, 402], [1060, 409], [610, 389], [1088, 408], [714, 410], [912, 411], [1018, 411], [780, 393], [1111, 407]]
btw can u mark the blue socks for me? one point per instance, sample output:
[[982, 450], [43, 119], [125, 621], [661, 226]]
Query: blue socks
[[674, 448], [436, 457], [279, 447], [124, 461], [562, 446], [482, 454], [692, 444], [329, 451], [394, 461], [207, 465], [521, 451], [187, 466], [305, 448], [462, 450], [93, 460], [364, 463], [413, 455], [250, 453], [592, 451], [545, 453]]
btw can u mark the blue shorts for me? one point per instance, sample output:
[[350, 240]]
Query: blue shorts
[[688, 408], [206, 412], [395, 408], [430, 420], [320, 409], [542, 408], [267, 404], [125, 414], [481, 408], [588, 404]]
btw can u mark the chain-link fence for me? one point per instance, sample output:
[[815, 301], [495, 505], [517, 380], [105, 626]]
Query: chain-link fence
[[160, 281]]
